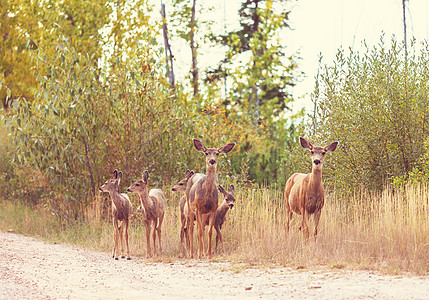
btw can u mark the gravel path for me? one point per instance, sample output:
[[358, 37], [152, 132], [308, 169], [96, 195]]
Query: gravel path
[[31, 269]]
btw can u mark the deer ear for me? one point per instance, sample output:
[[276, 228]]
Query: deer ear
[[221, 189], [119, 176], [115, 174], [226, 148], [199, 145], [305, 144], [145, 175], [187, 173], [231, 189], [331, 147]]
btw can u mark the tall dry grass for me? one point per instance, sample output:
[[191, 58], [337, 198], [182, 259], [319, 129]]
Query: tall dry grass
[[386, 230]]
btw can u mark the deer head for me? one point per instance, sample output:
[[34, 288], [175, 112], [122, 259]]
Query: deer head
[[112, 184], [228, 198], [212, 154], [181, 185], [317, 153], [140, 185]]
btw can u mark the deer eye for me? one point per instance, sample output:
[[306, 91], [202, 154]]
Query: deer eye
[[312, 152], [137, 184], [180, 183], [323, 153], [206, 153]]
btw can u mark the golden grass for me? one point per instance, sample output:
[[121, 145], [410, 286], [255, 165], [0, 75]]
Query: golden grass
[[386, 231]]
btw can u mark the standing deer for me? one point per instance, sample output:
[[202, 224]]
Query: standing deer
[[203, 196], [153, 205], [181, 187], [226, 205], [121, 209], [304, 193]]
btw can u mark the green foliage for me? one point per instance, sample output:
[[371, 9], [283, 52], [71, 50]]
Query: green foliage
[[376, 104], [104, 104], [16, 182]]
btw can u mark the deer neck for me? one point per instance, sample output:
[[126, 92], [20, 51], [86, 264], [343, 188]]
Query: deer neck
[[145, 200], [116, 198], [211, 178], [222, 209], [315, 179]]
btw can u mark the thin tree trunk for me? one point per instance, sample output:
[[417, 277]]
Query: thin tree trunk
[[256, 96], [88, 164], [168, 54], [194, 52], [405, 29]]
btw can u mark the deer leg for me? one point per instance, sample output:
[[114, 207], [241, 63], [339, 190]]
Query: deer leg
[[316, 222], [211, 223], [182, 235], [121, 232], [204, 222], [304, 225], [160, 219], [218, 237], [126, 239], [191, 233], [115, 238], [200, 235], [154, 237], [186, 231], [147, 226]]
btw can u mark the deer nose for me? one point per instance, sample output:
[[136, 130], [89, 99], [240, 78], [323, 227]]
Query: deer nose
[[316, 161], [212, 161], [128, 191]]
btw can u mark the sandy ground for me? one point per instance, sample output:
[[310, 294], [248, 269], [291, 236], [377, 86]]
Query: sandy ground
[[31, 269]]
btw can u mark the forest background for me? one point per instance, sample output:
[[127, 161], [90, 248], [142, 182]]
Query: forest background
[[89, 86]]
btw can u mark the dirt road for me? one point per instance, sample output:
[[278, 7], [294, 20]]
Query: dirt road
[[31, 269]]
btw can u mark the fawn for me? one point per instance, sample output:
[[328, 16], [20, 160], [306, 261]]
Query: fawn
[[121, 210], [153, 205]]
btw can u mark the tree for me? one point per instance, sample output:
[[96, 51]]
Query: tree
[[29, 25], [187, 26], [264, 79]]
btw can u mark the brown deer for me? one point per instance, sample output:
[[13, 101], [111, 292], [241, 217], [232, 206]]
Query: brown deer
[[304, 193], [223, 208], [203, 197], [181, 187], [121, 209], [153, 205]]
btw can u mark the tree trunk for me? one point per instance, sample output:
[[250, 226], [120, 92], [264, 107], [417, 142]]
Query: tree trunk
[[256, 96], [88, 164], [168, 53], [405, 27], [194, 52]]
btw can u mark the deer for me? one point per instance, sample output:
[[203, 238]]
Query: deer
[[153, 205], [121, 210], [223, 208], [203, 197], [304, 193], [181, 187]]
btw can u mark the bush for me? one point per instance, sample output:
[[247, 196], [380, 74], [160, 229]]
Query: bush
[[376, 104]]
